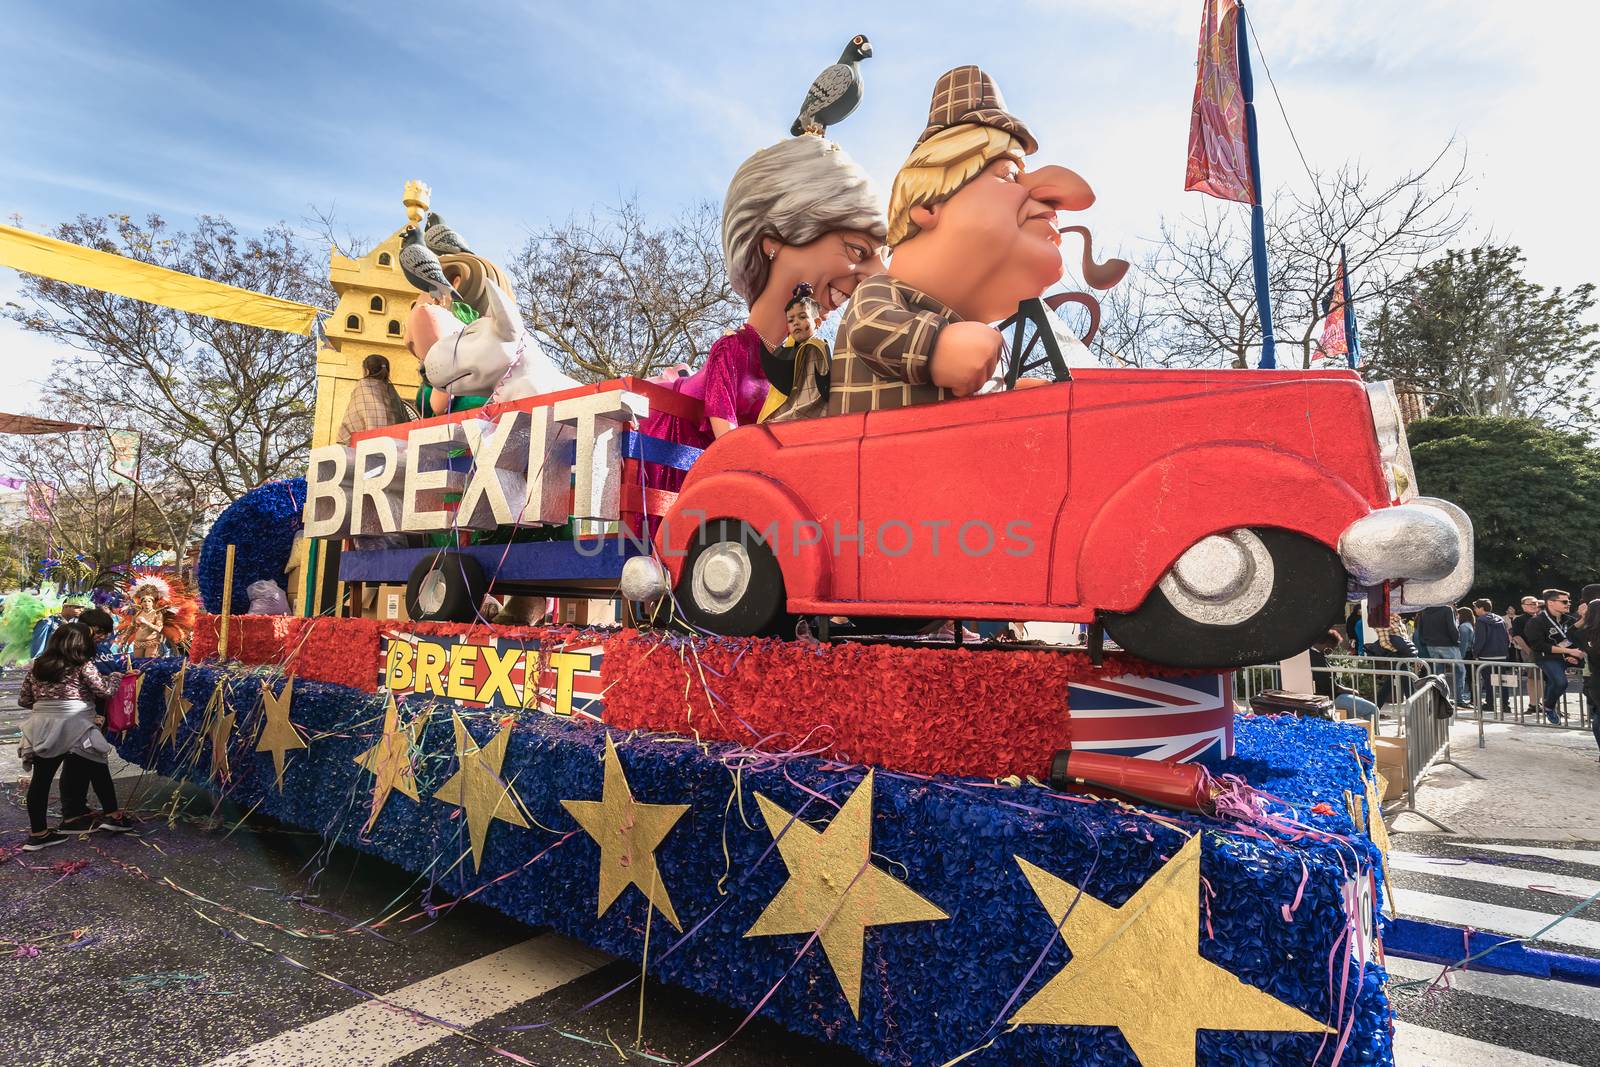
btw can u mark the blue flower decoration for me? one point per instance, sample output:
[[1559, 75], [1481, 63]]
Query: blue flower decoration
[[262, 526]]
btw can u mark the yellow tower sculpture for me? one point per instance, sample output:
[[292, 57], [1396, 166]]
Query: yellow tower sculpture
[[374, 301], [370, 318]]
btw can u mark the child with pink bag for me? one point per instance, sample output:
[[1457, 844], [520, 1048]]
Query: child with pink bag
[[63, 733]]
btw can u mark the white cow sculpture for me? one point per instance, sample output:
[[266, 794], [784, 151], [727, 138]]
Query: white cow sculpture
[[492, 356]]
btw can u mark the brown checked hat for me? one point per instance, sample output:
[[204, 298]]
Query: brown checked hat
[[968, 96]]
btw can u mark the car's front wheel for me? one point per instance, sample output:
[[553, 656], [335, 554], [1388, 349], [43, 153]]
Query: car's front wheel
[[1237, 598], [731, 583]]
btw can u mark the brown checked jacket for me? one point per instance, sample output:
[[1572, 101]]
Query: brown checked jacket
[[884, 348]]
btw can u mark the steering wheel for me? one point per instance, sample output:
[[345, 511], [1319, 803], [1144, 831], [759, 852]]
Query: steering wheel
[[1042, 348]]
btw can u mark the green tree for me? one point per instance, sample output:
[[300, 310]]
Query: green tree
[[1472, 334], [1533, 494]]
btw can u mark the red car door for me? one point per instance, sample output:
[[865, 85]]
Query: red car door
[[959, 499]]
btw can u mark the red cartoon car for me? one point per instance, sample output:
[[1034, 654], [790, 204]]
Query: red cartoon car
[[1205, 518]]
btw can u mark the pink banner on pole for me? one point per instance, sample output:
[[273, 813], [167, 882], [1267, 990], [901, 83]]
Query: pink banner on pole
[[1219, 145], [1333, 343], [41, 501]]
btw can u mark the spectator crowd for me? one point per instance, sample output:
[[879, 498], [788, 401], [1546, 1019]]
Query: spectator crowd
[[1554, 634]]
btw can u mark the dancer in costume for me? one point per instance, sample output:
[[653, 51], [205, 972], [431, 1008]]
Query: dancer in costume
[[799, 211], [46, 628], [25, 612], [160, 610]]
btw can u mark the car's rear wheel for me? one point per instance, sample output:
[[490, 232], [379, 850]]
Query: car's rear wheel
[[731, 583], [446, 587], [1233, 599]]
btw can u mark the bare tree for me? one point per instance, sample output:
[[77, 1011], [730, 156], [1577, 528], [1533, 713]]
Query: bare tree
[[90, 510], [613, 294], [1201, 278], [227, 406], [332, 234]]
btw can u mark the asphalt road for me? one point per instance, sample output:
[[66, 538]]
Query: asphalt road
[[1502, 886], [202, 941], [196, 942]]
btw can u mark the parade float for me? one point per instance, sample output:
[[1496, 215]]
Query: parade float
[[925, 851]]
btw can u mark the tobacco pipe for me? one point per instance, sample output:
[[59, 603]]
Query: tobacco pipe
[[1097, 275]]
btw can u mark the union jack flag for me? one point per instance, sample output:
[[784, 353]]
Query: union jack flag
[[1183, 719]]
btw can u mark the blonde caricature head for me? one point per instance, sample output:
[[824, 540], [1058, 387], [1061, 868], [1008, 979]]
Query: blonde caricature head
[[939, 166]]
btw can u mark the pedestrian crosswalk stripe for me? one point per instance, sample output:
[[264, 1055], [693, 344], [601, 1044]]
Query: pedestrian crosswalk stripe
[[1545, 993], [1590, 857], [373, 1033], [1515, 922], [1418, 1046], [1493, 874]]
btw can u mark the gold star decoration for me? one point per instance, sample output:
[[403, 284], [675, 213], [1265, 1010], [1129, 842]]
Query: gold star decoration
[[390, 759], [477, 788], [220, 719], [1139, 968], [278, 734], [628, 833], [177, 707], [834, 890]]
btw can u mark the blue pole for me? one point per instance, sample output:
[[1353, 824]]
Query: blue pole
[[1258, 221], [1351, 344]]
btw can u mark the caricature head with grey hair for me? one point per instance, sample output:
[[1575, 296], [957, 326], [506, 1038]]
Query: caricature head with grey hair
[[800, 211]]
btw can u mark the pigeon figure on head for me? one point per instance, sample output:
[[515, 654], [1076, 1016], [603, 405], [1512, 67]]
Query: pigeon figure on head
[[836, 92], [443, 240], [421, 266]]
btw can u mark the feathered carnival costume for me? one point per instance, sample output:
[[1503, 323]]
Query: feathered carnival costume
[[23, 612], [170, 619]]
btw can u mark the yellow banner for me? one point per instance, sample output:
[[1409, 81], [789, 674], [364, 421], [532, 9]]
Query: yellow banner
[[63, 261]]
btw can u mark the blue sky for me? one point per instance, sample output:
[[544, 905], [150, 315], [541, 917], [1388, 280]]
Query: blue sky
[[521, 113]]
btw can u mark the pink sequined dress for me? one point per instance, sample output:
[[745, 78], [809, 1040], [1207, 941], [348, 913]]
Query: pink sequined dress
[[730, 386]]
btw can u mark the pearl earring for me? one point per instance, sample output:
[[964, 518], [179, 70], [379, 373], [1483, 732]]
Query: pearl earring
[[772, 253]]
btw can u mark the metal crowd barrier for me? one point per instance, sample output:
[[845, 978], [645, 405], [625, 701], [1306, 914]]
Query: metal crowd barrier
[[1503, 689], [1426, 717], [1422, 716]]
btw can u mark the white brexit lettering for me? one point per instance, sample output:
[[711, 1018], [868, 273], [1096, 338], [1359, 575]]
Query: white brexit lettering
[[516, 474]]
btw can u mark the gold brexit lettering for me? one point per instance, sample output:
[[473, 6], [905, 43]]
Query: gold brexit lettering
[[564, 664], [500, 683], [431, 659], [397, 673], [463, 660]]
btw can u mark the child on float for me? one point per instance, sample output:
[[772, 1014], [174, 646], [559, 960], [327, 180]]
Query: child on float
[[798, 368], [63, 733]]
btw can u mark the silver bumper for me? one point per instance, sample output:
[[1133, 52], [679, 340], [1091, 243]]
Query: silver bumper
[[1424, 547], [643, 579]]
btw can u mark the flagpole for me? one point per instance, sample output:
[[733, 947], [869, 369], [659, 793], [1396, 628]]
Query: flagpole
[[133, 509], [1352, 345], [1258, 222]]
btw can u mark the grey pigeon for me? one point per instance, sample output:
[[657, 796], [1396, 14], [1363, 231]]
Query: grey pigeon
[[836, 92], [422, 267], [443, 240]]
